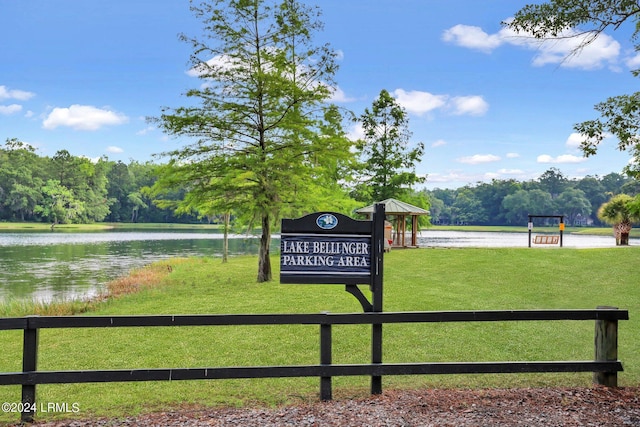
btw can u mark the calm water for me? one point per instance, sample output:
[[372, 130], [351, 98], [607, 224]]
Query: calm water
[[61, 265], [439, 238]]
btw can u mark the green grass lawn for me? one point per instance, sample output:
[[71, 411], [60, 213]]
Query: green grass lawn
[[415, 280]]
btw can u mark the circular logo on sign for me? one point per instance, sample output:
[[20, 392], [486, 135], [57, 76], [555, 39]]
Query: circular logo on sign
[[327, 221]]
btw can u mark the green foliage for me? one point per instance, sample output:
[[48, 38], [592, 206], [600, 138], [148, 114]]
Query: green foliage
[[262, 141], [389, 162], [59, 205], [100, 190], [621, 211], [510, 202], [616, 210]]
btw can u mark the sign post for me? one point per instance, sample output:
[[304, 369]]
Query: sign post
[[331, 248]]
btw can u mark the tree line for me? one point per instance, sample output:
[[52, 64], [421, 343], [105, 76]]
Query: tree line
[[509, 202], [71, 189]]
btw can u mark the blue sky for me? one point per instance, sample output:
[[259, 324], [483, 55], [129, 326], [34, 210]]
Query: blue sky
[[82, 75]]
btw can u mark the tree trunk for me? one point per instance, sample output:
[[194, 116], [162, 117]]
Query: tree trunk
[[264, 263], [225, 241], [624, 239]]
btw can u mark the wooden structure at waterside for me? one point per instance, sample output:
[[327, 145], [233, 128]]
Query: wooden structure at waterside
[[398, 213]]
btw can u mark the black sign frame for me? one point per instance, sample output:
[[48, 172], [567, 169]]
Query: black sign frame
[[326, 248]]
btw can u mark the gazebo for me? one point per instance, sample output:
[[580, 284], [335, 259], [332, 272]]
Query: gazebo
[[400, 210]]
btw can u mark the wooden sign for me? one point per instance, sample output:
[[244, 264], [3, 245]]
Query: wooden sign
[[326, 247]]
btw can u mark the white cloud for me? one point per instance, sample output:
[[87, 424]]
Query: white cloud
[[114, 150], [20, 95], [338, 95], [472, 38], [439, 143], [418, 102], [146, 130], [455, 178], [356, 132], [218, 61], [510, 171], [564, 158], [512, 155], [83, 117], [574, 140], [561, 50], [478, 159], [633, 62], [10, 109], [472, 105]]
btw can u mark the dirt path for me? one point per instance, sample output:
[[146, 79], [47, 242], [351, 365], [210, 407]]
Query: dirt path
[[597, 406]]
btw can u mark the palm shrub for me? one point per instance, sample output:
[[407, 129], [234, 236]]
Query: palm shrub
[[620, 211]]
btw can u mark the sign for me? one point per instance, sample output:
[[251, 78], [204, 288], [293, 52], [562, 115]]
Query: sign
[[326, 247]]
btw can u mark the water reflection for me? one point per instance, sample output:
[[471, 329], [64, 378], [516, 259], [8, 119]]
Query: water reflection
[[62, 266]]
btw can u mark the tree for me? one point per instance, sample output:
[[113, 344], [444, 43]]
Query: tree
[[594, 191], [553, 182], [467, 208], [20, 179], [491, 196], [389, 162], [620, 212], [620, 115], [254, 125], [517, 206], [573, 203], [59, 205]]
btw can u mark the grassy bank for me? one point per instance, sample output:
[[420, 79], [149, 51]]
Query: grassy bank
[[415, 280]]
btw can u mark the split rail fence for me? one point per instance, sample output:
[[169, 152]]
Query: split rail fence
[[605, 365]]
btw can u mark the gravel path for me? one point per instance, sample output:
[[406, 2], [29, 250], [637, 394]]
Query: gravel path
[[597, 406]]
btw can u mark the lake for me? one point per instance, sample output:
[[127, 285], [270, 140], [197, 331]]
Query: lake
[[63, 265], [457, 239], [46, 266]]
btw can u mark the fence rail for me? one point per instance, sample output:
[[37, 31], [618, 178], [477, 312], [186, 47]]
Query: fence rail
[[605, 365]]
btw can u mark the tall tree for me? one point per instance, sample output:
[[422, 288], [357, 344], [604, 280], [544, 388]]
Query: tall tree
[[620, 115], [389, 161], [255, 120], [21, 179], [574, 204], [553, 182], [59, 204], [467, 208]]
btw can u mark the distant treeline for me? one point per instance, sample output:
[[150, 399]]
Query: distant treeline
[[71, 189], [509, 202]]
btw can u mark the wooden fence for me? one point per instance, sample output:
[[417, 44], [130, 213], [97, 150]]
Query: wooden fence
[[605, 365]]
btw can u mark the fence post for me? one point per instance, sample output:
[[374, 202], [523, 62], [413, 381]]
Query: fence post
[[325, 359], [29, 364], [606, 349], [377, 264]]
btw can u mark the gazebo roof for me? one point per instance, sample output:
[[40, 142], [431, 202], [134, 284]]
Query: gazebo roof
[[395, 207]]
